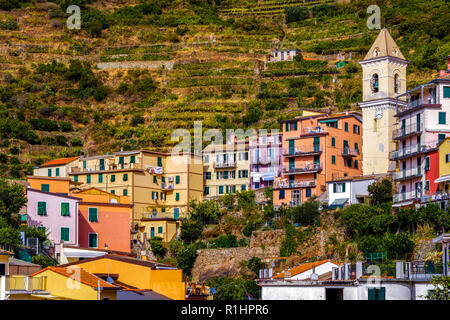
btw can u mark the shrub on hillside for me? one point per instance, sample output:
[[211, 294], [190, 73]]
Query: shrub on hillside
[[294, 14], [225, 241]]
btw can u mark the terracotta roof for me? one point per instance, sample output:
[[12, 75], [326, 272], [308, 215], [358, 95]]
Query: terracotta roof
[[145, 263], [386, 46], [302, 268], [58, 162], [85, 277], [6, 253]]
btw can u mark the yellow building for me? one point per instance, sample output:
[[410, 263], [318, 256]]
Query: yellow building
[[166, 228], [444, 173], [55, 167], [141, 274], [226, 169], [75, 283], [384, 78], [159, 184]]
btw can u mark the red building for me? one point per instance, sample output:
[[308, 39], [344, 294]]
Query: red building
[[431, 173]]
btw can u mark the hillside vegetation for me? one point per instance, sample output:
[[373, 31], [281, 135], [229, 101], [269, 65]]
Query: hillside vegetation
[[139, 69]]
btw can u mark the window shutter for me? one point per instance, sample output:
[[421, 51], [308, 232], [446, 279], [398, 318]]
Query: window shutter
[[371, 293], [442, 117], [132, 159], [159, 162], [100, 177], [65, 209], [381, 294], [343, 187], [88, 178], [334, 187], [177, 196], [177, 180], [287, 126], [93, 215], [113, 178], [125, 177]]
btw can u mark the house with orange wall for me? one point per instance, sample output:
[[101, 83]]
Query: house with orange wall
[[317, 148], [104, 220]]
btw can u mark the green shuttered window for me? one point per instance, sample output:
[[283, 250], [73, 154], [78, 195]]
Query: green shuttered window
[[65, 209], [42, 208], [93, 215], [65, 234]]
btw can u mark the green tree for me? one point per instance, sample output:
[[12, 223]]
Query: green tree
[[43, 261], [157, 247], [294, 14], [191, 230], [10, 236], [289, 243], [204, 211], [233, 289], [12, 198], [380, 192], [186, 259], [255, 264], [441, 288]]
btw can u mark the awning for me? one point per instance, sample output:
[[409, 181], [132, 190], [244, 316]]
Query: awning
[[402, 204], [82, 253], [338, 203], [442, 179]]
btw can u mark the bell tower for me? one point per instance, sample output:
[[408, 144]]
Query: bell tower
[[384, 78]]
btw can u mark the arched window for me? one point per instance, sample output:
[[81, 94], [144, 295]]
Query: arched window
[[396, 83], [374, 83]]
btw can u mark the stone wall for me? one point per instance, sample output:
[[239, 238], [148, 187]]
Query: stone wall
[[136, 64], [227, 262]]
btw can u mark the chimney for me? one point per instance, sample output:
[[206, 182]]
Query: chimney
[[445, 73]]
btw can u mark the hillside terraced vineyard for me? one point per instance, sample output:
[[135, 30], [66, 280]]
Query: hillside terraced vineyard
[[137, 70]]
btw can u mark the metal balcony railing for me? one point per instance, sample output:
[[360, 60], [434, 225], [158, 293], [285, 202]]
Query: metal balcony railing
[[440, 195], [411, 129], [406, 196], [109, 167], [303, 168], [303, 150], [314, 130], [225, 164], [348, 152], [412, 150], [426, 269], [408, 174], [25, 283], [295, 184]]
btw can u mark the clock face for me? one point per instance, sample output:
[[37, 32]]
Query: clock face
[[379, 114]]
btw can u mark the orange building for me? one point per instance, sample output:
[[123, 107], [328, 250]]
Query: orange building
[[104, 220], [317, 148], [51, 184]]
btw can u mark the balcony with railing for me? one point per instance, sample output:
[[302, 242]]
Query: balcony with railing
[[303, 168], [408, 174], [348, 152], [412, 150], [407, 196], [424, 95], [107, 167], [310, 150], [312, 131], [22, 284], [437, 196], [295, 184], [426, 270], [223, 165], [407, 131]]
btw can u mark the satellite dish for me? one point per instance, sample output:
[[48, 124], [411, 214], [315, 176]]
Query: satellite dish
[[113, 201], [109, 280]]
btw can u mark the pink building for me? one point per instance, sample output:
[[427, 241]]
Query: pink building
[[422, 123], [57, 213]]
